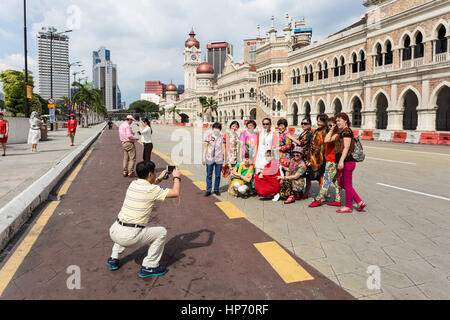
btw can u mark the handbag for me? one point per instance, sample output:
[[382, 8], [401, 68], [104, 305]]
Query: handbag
[[358, 152]]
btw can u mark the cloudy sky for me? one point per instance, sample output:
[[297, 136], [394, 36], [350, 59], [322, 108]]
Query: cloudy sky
[[146, 37]]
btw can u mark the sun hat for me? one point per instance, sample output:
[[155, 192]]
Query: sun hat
[[131, 117], [297, 149]]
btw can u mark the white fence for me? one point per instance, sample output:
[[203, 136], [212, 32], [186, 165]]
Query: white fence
[[18, 129]]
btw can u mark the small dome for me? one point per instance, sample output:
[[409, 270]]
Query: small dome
[[171, 87], [191, 42], [252, 68], [205, 68]]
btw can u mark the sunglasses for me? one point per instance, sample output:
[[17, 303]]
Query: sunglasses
[[305, 123], [266, 124]]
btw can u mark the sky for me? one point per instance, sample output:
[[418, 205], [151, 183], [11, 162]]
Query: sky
[[146, 37]]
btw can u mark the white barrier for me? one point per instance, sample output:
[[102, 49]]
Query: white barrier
[[18, 129], [413, 137], [385, 136]]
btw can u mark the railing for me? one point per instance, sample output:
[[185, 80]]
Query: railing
[[419, 61], [441, 57], [384, 68], [406, 64]]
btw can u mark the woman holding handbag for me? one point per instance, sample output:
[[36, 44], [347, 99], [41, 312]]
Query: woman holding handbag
[[346, 163]]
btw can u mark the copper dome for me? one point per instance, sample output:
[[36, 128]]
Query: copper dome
[[205, 67], [171, 87], [191, 42]]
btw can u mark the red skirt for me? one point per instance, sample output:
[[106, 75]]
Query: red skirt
[[267, 186]]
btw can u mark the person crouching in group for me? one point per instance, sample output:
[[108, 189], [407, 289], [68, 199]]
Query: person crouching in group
[[293, 184], [213, 157], [241, 178], [266, 182]]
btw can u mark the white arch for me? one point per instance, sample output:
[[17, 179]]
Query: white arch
[[401, 97], [317, 108], [323, 63], [403, 37], [304, 105], [434, 34], [434, 95], [375, 98], [388, 38], [337, 97], [352, 99], [351, 56], [422, 31], [374, 48], [317, 65]]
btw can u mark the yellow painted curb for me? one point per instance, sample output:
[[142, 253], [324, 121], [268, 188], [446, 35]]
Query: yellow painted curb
[[231, 210]]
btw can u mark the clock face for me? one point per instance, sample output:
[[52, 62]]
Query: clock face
[[194, 57]]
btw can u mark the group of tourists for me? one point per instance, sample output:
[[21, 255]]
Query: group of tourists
[[273, 164]]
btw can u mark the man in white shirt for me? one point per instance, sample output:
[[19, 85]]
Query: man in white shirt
[[146, 138]]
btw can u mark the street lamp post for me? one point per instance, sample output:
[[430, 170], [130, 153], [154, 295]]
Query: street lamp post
[[76, 64], [27, 105]]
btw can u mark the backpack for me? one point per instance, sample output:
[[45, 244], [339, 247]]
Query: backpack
[[358, 152]]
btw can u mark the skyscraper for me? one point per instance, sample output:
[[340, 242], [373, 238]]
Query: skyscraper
[[53, 54], [104, 78], [217, 53]]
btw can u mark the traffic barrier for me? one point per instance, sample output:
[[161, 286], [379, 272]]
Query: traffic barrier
[[399, 136], [385, 136], [291, 131], [412, 137], [355, 133], [444, 138], [429, 138], [367, 135]]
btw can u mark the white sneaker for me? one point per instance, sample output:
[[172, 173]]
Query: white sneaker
[[276, 198]]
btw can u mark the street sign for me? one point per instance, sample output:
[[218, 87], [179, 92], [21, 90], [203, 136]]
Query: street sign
[[52, 115], [29, 92], [51, 101], [51, 106]]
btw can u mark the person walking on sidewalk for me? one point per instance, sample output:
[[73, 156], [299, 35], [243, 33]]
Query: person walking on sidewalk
[[71, 128], [4, 130], [128, 139], [213, 157], [145, 131], [34, 135], [130, 230]]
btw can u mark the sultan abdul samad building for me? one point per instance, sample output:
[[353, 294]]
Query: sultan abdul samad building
[[390, 70]]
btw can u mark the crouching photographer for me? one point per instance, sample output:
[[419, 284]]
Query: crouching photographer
[[130, 229]]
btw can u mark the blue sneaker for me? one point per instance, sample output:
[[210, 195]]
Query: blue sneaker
[[152, 272], [113, 264]]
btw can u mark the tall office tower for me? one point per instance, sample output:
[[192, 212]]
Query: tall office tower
[[104, 78], [217, 53], [119, 98], [155, 87], [53, 64]]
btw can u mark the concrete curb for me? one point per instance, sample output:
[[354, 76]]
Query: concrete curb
[[16, 212]]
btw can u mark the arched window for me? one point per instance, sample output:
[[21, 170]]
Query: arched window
[[362, 62], [342, 66], [279, 106], [274, 76], [407, 49], [279, 76], [294, 79], [306, 74], [311, 74], [319, 72], [379, 56], [336, 68], [419, 48], [354, 63], [325, 70], [357, 116], [389, 54], [441, 42], [298, 76], [274, 105]]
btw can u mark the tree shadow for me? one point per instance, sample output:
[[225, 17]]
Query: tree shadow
[[174, 248]]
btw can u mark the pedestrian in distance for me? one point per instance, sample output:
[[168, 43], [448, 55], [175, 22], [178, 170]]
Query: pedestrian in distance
[[130, 230], [330, 175], [34, 134], [71, 128], [145, 131], [213, 157], [128, 139], [241, 178], [4, 131], [110, 124], [346, 163]]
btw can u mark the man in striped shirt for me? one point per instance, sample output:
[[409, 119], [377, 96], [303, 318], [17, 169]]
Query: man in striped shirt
[[130, 228]]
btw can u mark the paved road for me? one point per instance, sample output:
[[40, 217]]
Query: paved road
[[404, 230], [209, 255]]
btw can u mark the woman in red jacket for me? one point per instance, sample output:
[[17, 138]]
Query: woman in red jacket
[[71, 128]]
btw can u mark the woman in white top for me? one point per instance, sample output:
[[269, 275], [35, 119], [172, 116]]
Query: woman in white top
[[146, 138], [34, 135], [265, 142]]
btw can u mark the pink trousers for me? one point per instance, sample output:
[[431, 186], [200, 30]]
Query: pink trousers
[[345, 182]]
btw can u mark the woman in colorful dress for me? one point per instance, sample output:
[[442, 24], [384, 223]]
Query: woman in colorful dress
[[285, 144], [34, 135], [266, 181], [4, 130], [71, 128], [293, 184], [267, 140], [346, 164], [241, 178], [213, 157], [249, 141], [330, 174], [304, 141], [232, 148]]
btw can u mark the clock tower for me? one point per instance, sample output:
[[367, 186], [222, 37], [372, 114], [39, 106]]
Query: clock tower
[[192, 56]]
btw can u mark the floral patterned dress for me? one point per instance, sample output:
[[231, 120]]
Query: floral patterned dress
[[249, 144], [285, 149], [290, 187], [305, 141]]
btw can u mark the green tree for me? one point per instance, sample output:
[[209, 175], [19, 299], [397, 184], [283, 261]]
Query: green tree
[[209, 107], [173, 111], [143, 106], [14, 90], [92, 97], [2, 104]]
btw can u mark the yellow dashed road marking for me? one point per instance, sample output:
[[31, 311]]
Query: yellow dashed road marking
[[231, 210], [186, 172], [288, 269], [161, 155], [201, 185], [65, 187]]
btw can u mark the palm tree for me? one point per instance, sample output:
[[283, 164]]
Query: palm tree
[[92, 97], [174, 111], [209, 106], [162, 113]]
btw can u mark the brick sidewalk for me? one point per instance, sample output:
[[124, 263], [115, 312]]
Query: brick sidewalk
[[209, 256]]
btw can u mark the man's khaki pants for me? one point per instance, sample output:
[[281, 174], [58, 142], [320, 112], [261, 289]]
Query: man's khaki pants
[[129, 157], [128, 237]]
